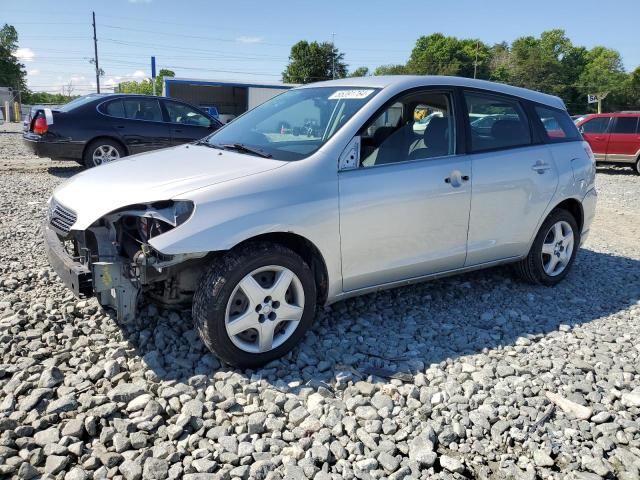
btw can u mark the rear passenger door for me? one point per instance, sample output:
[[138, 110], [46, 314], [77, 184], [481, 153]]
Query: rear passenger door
[[186, 123], [139, 122], [514, 179], [624, 140]]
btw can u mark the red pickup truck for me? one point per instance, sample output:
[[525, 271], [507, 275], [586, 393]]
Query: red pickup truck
[[614, 137]]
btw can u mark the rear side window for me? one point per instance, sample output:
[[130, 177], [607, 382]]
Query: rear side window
[[595, 125], [625, 125], [114, 109], [496, 122], [142, 109], [557, 124]]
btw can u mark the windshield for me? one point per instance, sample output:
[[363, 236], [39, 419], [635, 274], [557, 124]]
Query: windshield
[[295, 124], [78, 102]]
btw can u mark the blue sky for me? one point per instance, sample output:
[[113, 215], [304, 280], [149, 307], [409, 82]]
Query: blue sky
[[239, 39]]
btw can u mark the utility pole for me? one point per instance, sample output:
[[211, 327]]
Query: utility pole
[[333, 56], [475, 64], [95, 50]]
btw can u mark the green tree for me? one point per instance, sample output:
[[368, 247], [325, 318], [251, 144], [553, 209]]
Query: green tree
[[44, 98], [12, 73], [313, 62], [360, 72], [438, 54], [603, 73], [390, 70], [145, 87]]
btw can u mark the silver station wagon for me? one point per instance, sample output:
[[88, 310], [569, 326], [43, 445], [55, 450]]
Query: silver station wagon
[[324, 192]]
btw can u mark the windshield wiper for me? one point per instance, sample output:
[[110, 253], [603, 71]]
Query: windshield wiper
[[205, 143], [246, 148]]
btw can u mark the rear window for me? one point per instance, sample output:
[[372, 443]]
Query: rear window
[[557, 125], [114, 109], [78, 102], [625, 125], [142, 109], [496, 122]]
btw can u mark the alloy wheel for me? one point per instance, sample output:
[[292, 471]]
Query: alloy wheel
[[264, 309], [557, 248], [105, 154]]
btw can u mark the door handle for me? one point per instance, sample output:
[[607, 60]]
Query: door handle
[[456, 178], [177, 130], [540, 167]]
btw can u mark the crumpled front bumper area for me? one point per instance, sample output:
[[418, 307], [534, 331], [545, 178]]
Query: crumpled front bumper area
[[76, 276], [106, 280]]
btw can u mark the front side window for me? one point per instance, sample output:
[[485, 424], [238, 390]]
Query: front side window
[[142, 109], [557, 124], [294, 124], [496, 122], [414, 127], [595, 125], [625, 125], [185, 115]]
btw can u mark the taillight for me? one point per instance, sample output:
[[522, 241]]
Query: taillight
[[40, 125]]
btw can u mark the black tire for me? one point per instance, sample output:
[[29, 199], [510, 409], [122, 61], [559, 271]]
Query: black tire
[[531, 268], [218, 283], [637, 166], [87, 158]]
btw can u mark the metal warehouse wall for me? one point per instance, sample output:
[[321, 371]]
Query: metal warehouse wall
[[261, 95], [228, 100]]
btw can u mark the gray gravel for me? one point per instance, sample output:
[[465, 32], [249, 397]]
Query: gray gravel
[[477, 376]]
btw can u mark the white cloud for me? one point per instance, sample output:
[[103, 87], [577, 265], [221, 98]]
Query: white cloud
[[249, 39], [138, 74], [109, 82], [78, 78], [25, 54], [33, 72]]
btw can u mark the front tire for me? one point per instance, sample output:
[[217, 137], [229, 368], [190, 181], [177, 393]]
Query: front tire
[[101, 151], [255, 304], [637, 166], [553, 251]]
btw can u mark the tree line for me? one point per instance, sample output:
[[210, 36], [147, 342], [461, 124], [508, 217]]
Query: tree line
[[550, 63]]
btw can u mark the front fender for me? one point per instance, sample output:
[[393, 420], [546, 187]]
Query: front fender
[[226, 216]]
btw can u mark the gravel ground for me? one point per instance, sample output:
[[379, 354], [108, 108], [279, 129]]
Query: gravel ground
[[476, 376]]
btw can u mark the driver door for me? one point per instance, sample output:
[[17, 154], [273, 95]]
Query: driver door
[[404, 211], [187, 124]]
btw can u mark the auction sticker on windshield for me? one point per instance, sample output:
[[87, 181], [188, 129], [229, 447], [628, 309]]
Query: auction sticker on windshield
[[350, 94]]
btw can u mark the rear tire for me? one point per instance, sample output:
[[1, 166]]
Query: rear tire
[[101, 151], [550, 259], [241, 303], [637, 166]]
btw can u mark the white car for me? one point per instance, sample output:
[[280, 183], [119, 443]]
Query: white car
[[256, 227]]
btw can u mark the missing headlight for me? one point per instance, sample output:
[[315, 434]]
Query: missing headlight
[[151, 227]]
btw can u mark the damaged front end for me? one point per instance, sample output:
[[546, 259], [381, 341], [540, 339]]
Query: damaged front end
[[113, 260]]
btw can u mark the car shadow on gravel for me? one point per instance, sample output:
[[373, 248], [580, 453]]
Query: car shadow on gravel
[[399, 332], [66, 171], [616, 170]]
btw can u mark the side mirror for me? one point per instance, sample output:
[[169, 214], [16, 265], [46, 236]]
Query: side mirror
[[350, 156]]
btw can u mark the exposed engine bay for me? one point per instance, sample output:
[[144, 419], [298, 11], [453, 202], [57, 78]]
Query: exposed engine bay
[[123, 264]]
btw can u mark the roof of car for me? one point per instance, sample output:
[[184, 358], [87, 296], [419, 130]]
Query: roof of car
[[412, 81], [612, 114]]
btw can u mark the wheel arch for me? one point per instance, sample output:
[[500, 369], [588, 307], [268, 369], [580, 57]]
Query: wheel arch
[[306, 249], [107, 137], [574, 207]]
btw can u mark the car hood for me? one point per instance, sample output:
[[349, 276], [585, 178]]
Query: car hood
[[161, 175]]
